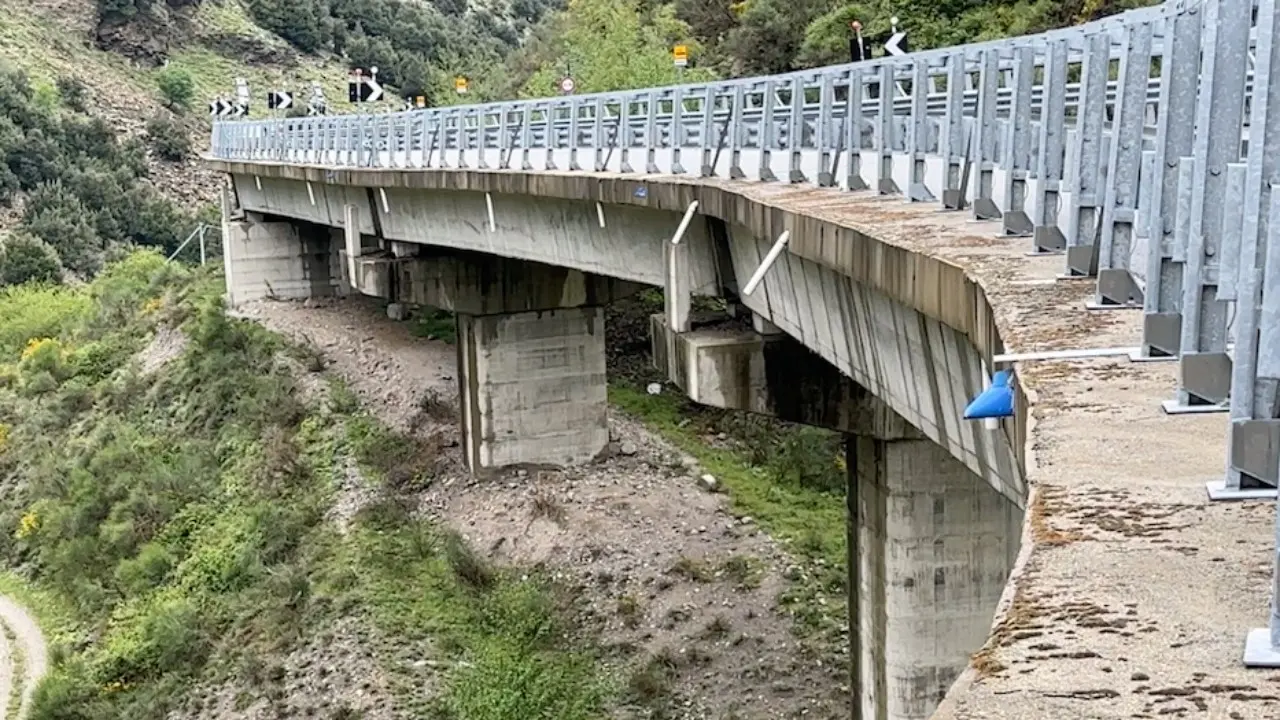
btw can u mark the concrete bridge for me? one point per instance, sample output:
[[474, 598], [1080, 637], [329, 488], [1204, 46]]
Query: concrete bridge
[[895, 230]]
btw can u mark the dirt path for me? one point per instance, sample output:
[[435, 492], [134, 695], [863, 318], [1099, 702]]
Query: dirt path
[[684, 590], [23, 658]]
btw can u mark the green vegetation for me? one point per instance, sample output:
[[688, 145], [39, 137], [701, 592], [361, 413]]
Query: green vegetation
[[85, 199], [177, 86], [523, 47], [173, 521], [168, 138], [789, 480]]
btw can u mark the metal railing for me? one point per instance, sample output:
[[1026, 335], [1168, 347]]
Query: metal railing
[[1141, 147]]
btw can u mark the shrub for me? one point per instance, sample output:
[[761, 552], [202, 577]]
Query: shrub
[[168, 138], [177, 86], [74, 92], [66, 229], [24, 258]]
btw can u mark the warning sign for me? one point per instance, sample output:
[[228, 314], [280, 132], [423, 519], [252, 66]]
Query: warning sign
[[681, 55]]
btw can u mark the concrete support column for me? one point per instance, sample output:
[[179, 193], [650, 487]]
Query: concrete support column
[[277, 259], [931, 546], [532, 387]]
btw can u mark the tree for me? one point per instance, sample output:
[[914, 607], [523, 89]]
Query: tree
[[607, 46], [177, 86], [24, 258]]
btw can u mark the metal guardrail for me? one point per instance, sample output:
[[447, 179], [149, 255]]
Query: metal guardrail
[[1141, 147]]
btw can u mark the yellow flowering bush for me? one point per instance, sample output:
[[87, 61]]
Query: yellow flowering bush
[[28, 525]]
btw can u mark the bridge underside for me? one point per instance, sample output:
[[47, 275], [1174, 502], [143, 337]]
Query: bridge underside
[[935, 503]]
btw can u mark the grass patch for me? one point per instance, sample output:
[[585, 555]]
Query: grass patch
[[515, 654], [808, 516], [435, 324], [171, 527]]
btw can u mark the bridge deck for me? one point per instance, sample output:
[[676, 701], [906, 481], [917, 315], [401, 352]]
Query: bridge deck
[[1135, 594]]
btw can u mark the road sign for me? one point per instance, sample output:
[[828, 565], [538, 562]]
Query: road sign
[[460, 84], [567, 85], [420, 101], [897, 42], [681, 55], [317, 104], [363, 88], [279, 100], [221, 107]]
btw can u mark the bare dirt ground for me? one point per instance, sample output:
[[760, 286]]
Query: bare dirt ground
[[662, 565], [23, 658]]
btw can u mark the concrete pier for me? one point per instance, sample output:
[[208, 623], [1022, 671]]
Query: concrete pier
[[931, 543], [931, 546], [532, 387]]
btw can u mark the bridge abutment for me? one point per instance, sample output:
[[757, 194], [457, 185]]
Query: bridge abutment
[[277, 259], [532, 387]]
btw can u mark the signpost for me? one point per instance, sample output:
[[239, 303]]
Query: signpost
[[897, 42], [363, 88], [858, 50], [317, 104]]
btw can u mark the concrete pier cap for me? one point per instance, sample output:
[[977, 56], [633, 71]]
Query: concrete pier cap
[[935, 502]]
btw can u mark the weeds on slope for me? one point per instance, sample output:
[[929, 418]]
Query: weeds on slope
[[789, 480], [179, 516]]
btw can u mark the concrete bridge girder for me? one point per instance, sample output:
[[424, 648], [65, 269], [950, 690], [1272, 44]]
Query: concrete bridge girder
[[479, 284], [629, 245]]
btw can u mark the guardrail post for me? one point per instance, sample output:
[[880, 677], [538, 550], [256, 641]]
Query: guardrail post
[[651, 134], [795, 132], [1253, 279], [824, 135], [984, 204], [919, 133], [735, 135], [951, 139], [1204, 378], [575, 133], [853, 130], [1047, 237], [884, 133], [1086, 190], [768, 135], [1175, 130], [1017, 164], [677, 134], [1117, 286]]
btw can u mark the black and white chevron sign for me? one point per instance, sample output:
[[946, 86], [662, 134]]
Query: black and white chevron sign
[[279, 100]]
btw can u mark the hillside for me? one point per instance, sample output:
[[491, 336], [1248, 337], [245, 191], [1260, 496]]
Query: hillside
[[51, 39]]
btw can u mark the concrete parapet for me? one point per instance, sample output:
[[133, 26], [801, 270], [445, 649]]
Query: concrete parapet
[[482, 284], [532, 388]]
